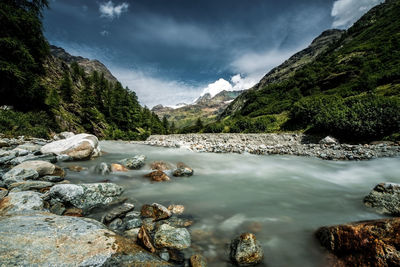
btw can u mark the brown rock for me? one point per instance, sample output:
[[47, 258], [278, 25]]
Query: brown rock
[[160, 166], [144, 240], [368, 243], [176, 209], [73, 212], [118, 168], [76, 168], [155, 211], [147, 211], [158, 176], [246, 250], [198, 261]]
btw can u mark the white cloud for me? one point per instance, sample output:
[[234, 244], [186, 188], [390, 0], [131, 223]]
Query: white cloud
[[111, 11], [152, 91], [346, 12], [237, 83]]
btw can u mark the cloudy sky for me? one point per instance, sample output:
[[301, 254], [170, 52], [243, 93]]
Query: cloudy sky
[[172, 51]]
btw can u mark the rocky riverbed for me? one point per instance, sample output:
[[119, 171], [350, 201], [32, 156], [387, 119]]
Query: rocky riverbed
[[276, 144]]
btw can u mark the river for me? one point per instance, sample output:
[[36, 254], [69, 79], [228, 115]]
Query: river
[[281, 199]]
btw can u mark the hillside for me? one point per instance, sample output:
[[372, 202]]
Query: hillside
[[206, 108], [351, 89], [43, 89]]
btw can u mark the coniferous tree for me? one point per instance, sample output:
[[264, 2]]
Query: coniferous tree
[[66, 88]]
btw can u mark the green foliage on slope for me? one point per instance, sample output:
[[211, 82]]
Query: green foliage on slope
[[351, 91]]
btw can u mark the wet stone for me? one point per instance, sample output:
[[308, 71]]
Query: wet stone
[[118, 212]]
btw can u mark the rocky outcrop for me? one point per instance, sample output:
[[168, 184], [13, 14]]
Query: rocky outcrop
[[86, 196], [246, 250], [370, 243], [43, 239], [385, 199], [78, 147]]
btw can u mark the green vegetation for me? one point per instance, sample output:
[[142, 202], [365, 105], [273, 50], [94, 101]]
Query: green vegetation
[[47, 95], [351, 91]]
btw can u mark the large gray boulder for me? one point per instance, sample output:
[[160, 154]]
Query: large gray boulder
[[86, 196], [43, 239], [246, 250], [78, 147], [167, 236], [18, 175], [384, 198]]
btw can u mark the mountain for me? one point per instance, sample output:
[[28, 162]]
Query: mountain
[[206, 108], [346, 84], [290, 66]]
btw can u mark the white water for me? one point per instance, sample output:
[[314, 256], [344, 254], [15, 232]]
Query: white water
[[282, 199]]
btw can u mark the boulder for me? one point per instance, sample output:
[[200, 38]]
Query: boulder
[[102, 168], [161, 166], [245, 250], [158, 176], [86, 196], [79, 147], [368, 243], [18, 175], [329, 140], [30, 186], [44, 239], [167, 236], [182, 170], [42, 167], [118, 168], [30, 147], [384, 198], [198, 260], [118, 212], [21, 202], [134, 163]]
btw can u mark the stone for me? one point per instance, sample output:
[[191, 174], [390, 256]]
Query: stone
[[198, 260], [42, 167], [4, 143], [147, 211], [132, 234], [176, 222], [73, 212], [58, 208], [118, 168], [29, 147], [182, 170], [63, 135], [18, 175], [133, 223], [102, 168], [79, 147], [148, 224], [145, 240], [30, 186], [69, 241], [158, 176], [86, 196], [160, 212], [161, 166], [368, 243], [132, 215], [167, 236], [329, 140], [246, 250], [53, 179], [164, 254], [21, 202], [77, 168], [134, 163], [176, 209], [118, 212], [385, 199], [117, 225], [3, 193]]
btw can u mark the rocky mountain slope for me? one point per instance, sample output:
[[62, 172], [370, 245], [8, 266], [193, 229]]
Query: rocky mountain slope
[[206, 108]]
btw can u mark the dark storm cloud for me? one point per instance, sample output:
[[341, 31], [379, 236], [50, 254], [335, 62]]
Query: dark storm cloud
[[168, 51]]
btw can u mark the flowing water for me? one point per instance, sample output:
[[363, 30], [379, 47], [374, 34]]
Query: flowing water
[[282, 199]]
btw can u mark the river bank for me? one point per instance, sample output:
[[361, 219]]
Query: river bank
[[276, 144]]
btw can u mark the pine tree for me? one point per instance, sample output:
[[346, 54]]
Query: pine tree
[[165, 124], [66, 87]]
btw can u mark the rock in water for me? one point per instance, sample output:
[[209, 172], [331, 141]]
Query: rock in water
[[134, 163], [118, 168], [167, 236], [155, 211], [182, 170], [384, 198], [79, 147], [70, 241], [246, 250], [102, 168], [160, 166], [158, 176], [370, 243], [86, 196]]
